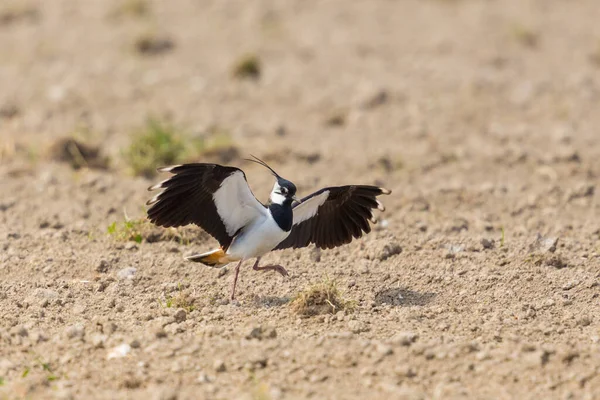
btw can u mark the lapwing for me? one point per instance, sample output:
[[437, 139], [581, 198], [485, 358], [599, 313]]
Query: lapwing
[[218, 199]]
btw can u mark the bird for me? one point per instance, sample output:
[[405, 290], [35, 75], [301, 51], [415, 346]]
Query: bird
[[219, 200]]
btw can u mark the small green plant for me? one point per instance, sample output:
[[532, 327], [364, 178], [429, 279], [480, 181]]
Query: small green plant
[[181, 300], [248, 67], [321, 298], [49, 374], [131, 8], [1, 381], [502, 236], [128, 230], [525, 36], [25, 372], [157, 144]]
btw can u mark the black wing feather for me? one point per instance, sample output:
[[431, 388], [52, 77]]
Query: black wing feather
[[344, 215], [187, 198]]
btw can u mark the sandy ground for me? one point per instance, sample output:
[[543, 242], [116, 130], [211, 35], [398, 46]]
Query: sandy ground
[[481, 116]]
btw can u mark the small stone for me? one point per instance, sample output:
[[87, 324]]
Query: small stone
[[75, 331], [131, 246], [315, 255], [384, 349], [126, 273], [389, 250], [405, 371], [357, 326], [167, 394], [21, 331], [584, 321], [340, 315], [180, 315], [45, 294], [487, 243], [135, 344], [364, 267], [404, 338], [98, 341], [102, 266], [556, 261], [222, 272], [543, 244], [570, 285], [204, 378], [119, 351], [219, 366]]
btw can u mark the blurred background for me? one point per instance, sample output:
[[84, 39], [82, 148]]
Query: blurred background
[[392, 84]]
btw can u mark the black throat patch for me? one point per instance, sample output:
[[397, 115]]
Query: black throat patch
[[283, 215]]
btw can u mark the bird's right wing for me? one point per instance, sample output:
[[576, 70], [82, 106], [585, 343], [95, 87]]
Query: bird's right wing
[[216, 198], [333, 216]]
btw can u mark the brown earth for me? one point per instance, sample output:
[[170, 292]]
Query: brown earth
[[481, 116]]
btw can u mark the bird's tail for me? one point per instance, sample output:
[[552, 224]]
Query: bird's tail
[[214, 258]]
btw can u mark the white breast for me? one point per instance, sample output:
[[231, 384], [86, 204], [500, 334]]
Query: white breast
[[257, 239]]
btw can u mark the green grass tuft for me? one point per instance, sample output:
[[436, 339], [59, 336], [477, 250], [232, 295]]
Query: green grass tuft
[[157, 144], [248, 67], [128, 230], [180, 300]]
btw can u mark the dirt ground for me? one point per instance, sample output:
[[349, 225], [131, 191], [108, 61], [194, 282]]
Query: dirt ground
[[482, 116]]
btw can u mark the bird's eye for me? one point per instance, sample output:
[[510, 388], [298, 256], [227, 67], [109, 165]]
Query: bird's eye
[[284, 191]]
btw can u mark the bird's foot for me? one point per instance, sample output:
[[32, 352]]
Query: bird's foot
[[277, 268]]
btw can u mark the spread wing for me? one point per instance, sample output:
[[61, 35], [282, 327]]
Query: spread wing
[[216, 198], [333, 216]]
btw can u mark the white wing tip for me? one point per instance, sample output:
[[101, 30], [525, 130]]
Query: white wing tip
[[152, 200], [373, 219], [380, 206], [159, 185], [168, 168], [385, 191]]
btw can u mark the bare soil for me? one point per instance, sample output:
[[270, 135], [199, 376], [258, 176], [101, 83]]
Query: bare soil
[[482, 117]]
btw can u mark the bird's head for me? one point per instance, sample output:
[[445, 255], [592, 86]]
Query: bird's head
[[284, 191]]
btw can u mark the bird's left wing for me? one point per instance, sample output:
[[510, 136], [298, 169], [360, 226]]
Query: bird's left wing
[[333, 216], [215, 197]]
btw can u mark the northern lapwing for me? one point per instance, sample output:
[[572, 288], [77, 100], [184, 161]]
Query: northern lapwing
[[218, 199]]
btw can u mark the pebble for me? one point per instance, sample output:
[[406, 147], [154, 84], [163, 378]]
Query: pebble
[[543, 244], [222, 272], [384, 349], [219, 366], [404, 338], [102, 266], [315, 255], [76, 331], [570, 285], [357, 326], [364, 267], [259, 332], [180, 315], [487, 243], [584, 321], [389, 250], [126, 273], [204, 378], [119, 351], [98, 341]]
